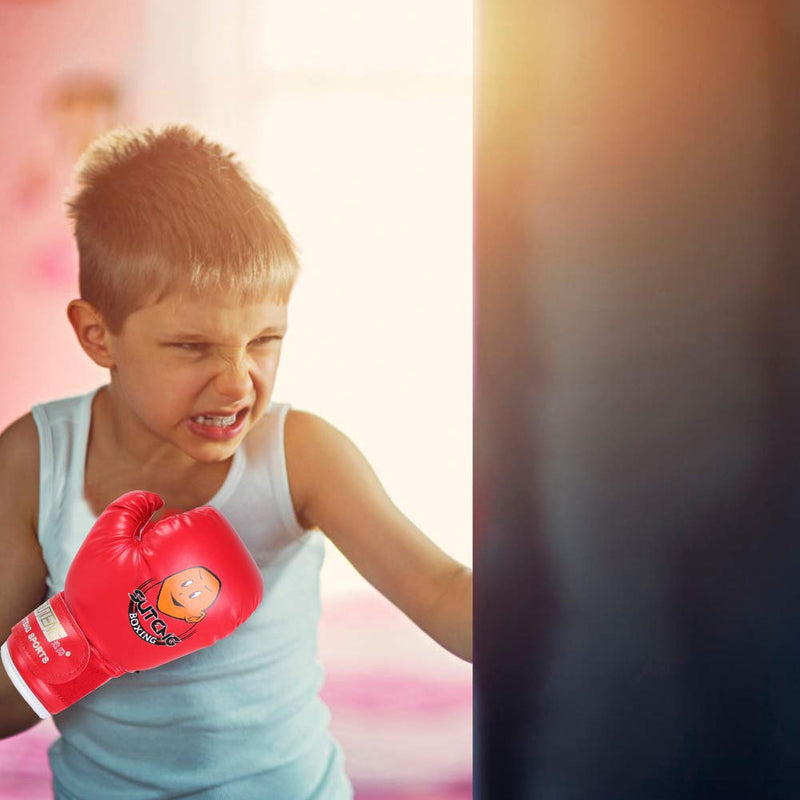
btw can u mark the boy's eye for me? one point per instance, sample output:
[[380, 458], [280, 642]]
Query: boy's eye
[[191, 347], [266, 339]]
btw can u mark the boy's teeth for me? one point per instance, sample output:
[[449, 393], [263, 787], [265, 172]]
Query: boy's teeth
[[220, 422]]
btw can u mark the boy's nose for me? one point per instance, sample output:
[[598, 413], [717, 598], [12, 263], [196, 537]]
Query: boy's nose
[[233, 379]]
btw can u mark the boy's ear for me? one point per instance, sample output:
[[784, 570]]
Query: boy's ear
[[92, 332]]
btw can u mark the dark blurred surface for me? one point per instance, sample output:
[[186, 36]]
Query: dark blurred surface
[[637, 441]]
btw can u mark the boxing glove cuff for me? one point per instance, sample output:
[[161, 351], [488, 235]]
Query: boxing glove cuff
[[49, 660]]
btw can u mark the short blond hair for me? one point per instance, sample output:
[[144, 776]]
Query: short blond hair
[[170, 210]]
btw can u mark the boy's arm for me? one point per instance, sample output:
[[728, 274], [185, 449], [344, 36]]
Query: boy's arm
[[22, 569], [334, 488]]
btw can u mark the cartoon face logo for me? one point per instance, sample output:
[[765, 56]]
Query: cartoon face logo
[[185, 596], [188, 594]]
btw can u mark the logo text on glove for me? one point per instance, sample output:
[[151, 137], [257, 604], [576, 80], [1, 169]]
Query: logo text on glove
[[140, 610]]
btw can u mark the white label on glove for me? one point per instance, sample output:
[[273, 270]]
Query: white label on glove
[[49, 622]]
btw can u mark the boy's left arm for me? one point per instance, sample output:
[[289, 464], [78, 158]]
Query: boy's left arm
[[334, 488]]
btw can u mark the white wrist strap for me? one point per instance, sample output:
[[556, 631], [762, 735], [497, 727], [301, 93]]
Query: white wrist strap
[[20, 685]]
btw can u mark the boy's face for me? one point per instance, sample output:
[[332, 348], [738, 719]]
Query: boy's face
[[197, 372]]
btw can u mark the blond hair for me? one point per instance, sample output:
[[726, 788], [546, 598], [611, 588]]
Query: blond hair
[[161, 211]]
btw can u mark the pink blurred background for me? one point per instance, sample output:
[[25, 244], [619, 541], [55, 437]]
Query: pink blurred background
[[259, 78]]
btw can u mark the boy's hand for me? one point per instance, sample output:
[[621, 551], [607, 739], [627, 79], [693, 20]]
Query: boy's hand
[[137, 595]]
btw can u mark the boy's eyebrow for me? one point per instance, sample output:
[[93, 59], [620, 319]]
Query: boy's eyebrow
[[186, 336]]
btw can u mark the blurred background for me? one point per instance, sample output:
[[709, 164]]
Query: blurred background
[[637, 447], [357, 119]]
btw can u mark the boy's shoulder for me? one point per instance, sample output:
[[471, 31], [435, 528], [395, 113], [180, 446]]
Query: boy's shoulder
[[19, 445], [305, 432], [19, 467], [317, 454]]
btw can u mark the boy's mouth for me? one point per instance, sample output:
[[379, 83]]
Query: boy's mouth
[[219, 422], [213, 420]]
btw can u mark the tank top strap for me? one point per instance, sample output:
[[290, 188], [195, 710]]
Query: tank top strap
[[63, 428]]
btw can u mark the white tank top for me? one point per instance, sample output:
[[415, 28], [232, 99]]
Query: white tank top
[[241, 719]]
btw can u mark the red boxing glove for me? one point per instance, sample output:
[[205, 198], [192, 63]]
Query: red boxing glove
[[137, 595]]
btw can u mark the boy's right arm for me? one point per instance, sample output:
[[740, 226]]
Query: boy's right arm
[[22, 568]]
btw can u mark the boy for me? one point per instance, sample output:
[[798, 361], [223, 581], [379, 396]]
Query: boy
[[185, 275]]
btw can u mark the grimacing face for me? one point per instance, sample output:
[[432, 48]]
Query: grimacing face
[[197, 372]]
